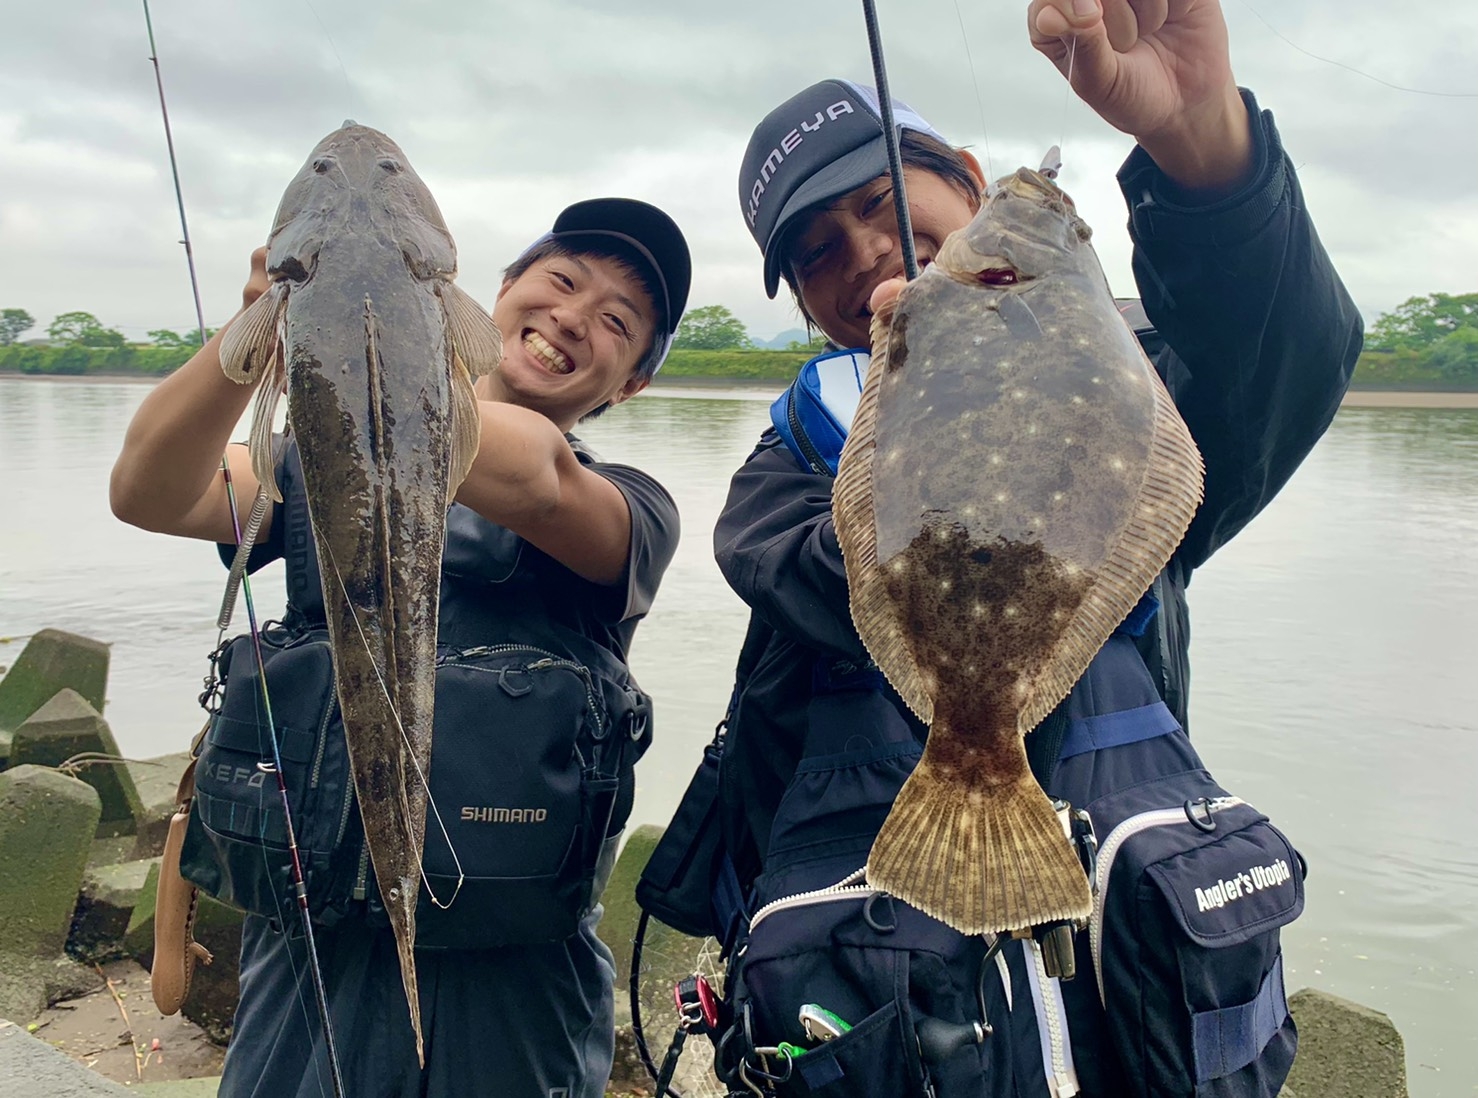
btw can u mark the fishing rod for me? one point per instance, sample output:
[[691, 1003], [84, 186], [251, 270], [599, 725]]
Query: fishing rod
[[300, 887], [890, 139]]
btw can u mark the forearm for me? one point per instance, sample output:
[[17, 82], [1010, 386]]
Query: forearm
[[514, 478], [1263, 330], [171, 455], [528, 479], [1208, 153]]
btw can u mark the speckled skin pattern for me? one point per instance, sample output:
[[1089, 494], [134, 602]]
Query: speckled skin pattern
[[1014, 479], [369, 365], [1012, 438]]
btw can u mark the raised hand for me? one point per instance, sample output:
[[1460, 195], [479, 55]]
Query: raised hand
[[1160, 70]]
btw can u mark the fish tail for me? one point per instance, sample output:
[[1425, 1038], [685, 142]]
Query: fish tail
[[412, 992], [979, 860]]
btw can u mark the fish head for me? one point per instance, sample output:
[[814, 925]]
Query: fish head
[[1026, 229], [358, 180]]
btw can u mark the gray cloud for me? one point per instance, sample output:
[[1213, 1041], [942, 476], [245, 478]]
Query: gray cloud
[[511, 110]]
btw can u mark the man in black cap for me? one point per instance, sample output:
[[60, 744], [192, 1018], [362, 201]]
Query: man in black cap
[[1256, 341], [547, 546]]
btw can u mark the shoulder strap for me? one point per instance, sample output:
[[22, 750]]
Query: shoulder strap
[[814, 413]]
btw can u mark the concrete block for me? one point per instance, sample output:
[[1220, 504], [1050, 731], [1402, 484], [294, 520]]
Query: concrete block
[[211, 1003], [157, 781], [31, 1067], [1345, 1050], [109, 895], [180, 1088], [67, 726], [47, 822], [52, 660], [114, 850]]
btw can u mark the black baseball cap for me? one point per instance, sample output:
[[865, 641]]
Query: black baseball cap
[[650, 233], [817, 145]]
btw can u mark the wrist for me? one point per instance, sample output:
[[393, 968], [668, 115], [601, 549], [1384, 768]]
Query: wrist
[[1208, 152]]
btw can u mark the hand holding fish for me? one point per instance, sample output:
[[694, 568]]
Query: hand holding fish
[[1159, 70], [884, 294], [257, 282]]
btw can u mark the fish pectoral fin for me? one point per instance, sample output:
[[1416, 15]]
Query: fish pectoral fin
[[475, 337], [466, 429], [250, 342], [263, 461], [1021, 322]]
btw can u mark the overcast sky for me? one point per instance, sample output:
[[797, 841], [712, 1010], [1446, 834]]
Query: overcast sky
[[510, 111]]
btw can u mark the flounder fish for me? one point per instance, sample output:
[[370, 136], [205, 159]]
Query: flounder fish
[[376, 348], [1015, 477]]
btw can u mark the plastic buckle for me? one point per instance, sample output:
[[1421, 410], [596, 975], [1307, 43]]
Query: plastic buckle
[[1086, 841]]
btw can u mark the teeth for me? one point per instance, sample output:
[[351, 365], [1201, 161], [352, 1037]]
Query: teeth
[[547, 354]]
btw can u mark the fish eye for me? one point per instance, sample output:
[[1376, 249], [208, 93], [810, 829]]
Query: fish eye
[[390, 164], [323, 164]]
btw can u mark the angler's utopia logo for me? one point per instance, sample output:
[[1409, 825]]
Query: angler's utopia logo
[[472, 813], [1238, 887]]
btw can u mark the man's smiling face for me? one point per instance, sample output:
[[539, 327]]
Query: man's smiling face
[[575, 328], [839, 253]]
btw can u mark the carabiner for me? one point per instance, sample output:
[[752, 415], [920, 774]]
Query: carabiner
[[1208, 822]]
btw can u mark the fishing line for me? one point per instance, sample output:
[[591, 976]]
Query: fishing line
[[890, 139], [299, 886], [405, 738], [1067, 95], [1351, 68], [353, 92], [990, 170]]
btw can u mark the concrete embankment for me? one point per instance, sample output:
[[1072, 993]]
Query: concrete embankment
[[80, 838]]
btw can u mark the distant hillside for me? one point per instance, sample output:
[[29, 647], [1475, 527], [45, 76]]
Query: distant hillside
[[783, 340]]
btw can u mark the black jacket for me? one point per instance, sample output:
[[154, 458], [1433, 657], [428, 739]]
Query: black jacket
[[1260, 338]]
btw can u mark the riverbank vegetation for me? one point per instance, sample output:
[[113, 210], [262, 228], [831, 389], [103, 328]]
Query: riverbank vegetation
[[1426, 343]]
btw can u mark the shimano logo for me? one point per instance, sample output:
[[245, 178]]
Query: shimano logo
[[788, 144], [1244, 884], [488, 814]]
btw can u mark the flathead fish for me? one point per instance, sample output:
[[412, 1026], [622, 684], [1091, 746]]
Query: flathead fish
[[376, 348], [1014, 479]]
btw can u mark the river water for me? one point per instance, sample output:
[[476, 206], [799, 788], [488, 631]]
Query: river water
[[1335, 657]]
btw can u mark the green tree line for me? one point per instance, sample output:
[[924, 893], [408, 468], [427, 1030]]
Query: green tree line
[[1425, 342]]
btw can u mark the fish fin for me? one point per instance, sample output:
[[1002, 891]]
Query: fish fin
[[873, 611], [1021, 322], [979, 859], [263, 461], [476, 338], [1163, 508], [250, 342], [466, 429]]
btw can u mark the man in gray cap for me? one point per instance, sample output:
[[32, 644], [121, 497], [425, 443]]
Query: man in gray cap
[[1256, 341]]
